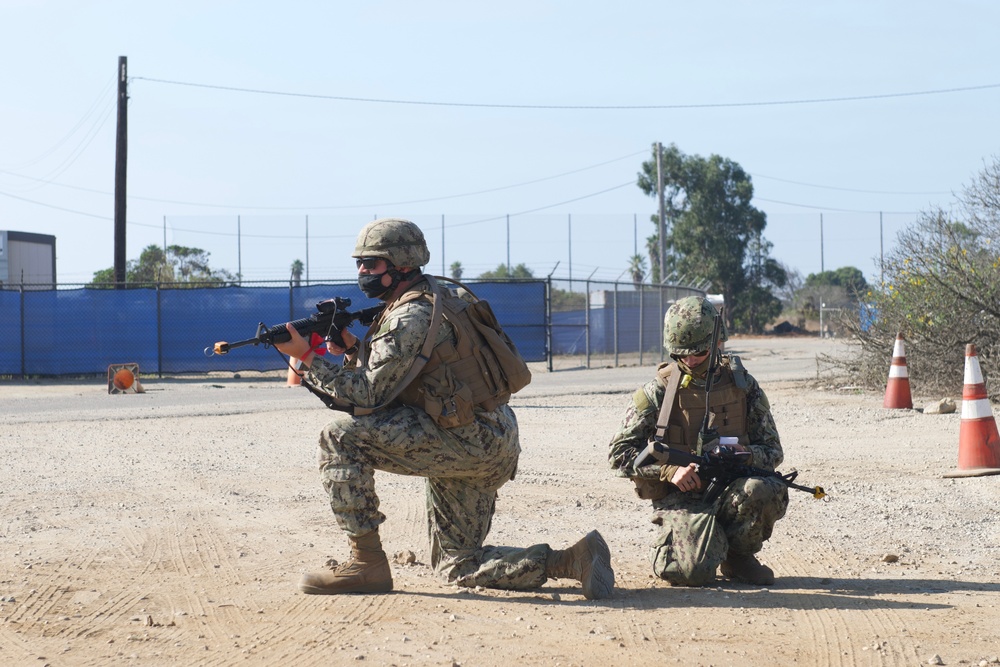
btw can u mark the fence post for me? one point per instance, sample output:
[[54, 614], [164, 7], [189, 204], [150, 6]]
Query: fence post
[[548, 321], [586, 319], [24, 368], [659, 327], [642, 298], [159, 331], [615, 331]]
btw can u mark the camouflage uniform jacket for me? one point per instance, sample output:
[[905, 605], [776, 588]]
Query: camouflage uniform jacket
[[639, 425], [389, 353]]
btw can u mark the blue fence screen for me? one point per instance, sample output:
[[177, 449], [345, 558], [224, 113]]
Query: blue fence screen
[[82, 331]]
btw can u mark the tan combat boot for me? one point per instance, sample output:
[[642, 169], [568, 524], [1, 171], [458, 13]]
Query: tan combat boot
[[746, 568], [589, 562], [366, 572]]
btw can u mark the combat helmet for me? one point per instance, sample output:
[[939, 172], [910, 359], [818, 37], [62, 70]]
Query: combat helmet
[[399, 241], [688, 325]]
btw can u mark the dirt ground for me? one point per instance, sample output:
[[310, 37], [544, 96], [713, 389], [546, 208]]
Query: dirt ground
[[170, 528]]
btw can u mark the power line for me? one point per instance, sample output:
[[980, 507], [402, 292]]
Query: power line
[[831, 187], [450, 225], [342, 207], [93, 107], [58, 208], [831, 208], [571, 107]]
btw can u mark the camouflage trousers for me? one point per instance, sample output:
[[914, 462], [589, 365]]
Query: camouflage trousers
[[463, 466], [695, 536]]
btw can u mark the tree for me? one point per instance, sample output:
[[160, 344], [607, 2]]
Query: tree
[[848, 277], [941, 291], [838, 289], [764, 276], [789, 293], [637, 269], [297, 268], [180, 264], [501, 273], [712, 224], [456, 270]]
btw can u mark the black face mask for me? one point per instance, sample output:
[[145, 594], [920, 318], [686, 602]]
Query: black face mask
[[372, 286]]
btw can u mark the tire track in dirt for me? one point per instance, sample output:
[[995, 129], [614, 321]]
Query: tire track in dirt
[[846, 626], [343, 622], [196, 552], [50, 582]]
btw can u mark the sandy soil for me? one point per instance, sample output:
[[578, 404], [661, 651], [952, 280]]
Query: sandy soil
[[169, 528]]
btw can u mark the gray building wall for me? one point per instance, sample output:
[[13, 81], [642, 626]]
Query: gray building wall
[[27, 258]]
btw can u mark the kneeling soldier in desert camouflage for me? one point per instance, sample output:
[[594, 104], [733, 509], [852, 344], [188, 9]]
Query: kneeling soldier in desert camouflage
[[696, 535], [426, 425]]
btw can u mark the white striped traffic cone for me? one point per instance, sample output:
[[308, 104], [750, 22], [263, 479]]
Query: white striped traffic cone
[[897, 389], [978, 439]]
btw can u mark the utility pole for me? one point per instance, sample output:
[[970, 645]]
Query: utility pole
[[121, 157], [508, 246], [569, 239], [881, 250], [662, 233], [822, 268]]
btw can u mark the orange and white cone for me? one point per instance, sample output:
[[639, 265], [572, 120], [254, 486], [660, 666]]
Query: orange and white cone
[[978, 439], [293, 379], [897, 390]]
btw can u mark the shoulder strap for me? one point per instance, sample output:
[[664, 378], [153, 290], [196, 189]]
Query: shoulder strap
[[672, 384], [455, 282], [739, 372], [420, 360]]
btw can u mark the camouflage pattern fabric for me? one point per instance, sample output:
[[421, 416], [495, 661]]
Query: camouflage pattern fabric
[[464, 466], [399, 241], [695, 537], [688, 326]]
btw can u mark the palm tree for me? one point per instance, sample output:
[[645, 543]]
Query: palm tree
[[456, 270], [637, 269], [297, 268]]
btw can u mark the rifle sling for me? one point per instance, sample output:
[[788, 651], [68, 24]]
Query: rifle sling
[[669, 399]]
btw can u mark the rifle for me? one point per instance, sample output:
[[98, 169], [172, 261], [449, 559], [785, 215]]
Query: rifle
[[330, 319], [706, 434], [720, 467]]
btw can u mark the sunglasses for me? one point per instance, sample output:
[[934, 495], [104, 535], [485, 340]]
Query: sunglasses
[[368, 262]]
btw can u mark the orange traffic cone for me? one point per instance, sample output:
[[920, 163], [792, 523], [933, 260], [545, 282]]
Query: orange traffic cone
[[293, 379], [897, 390], [978, 439]]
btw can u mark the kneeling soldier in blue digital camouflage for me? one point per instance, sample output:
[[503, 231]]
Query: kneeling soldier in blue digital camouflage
[[696, 535], [427, 425]]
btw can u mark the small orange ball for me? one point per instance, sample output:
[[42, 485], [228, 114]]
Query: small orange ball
[[123, 379]]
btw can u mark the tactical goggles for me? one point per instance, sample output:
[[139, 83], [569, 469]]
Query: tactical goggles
[[369, 262]]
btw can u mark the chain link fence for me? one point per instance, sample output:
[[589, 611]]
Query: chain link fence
[[170, 329], [602, 323]]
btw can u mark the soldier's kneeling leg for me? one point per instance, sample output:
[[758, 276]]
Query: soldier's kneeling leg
[[750, 508], [688, 547]]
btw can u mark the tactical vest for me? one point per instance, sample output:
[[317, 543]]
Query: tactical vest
[[727, 407], [460, 373], [680, 420]]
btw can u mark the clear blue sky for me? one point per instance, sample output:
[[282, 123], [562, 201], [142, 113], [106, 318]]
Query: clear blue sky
[[481, 147]]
